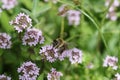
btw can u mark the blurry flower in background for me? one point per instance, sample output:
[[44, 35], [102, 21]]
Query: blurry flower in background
[[112, 14], [117, 75], [8, 4], [90, 65], [0, 10], [54, 75], [5, 42], [63, 10], [3, 77], [32, 37], [21, 22], [28, 71], [73, 17], [75, 56], [111, 61], [49, 52], [54, 1]]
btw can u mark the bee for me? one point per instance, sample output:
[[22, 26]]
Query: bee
[[60, 44]]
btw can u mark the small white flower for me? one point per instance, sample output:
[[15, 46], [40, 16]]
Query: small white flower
[[54, 75], [21, 22], [28, 71], [75, 56], [3, 77], [111, 61], [32, 37], [5, 42], [8, 4], [73, 17], [117, 76], [49, 52]]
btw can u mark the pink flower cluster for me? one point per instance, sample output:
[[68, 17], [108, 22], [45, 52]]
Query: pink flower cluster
[[8, 4], [3, 77], [5, 41], [112, 14], [111, 61], [21, 22], [32, 37], [28, 71], [117, 75], [51, 54], [54, 75], [73, 16]]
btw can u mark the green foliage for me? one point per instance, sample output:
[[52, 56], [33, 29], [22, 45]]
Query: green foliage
[[96, 36]]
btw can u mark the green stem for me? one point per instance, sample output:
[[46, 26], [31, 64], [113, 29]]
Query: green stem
[[93, 21], [62, 29]]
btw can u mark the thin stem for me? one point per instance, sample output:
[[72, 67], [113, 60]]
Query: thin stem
[[93, 21], [62, 29]]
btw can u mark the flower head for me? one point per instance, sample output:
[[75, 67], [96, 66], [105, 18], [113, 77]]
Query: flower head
[[28, 71], [73, 17], [49, 53], [54, 75], [111, 61], [3, 77], [21, 22], [75, 55], [112, 14], [5, 42], [117, 76], [8, 4], [33, 36], [62, 55]]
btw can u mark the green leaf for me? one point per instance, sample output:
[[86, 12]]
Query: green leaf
[[41, 77], [43, 9], [4, 19], [35, 5]]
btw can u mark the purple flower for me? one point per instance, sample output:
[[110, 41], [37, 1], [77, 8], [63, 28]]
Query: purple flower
[[73, 17], [5, 42], [28, 71], [8, 4], [75, 56], [32, 37], [49, 52], [111, 61], [3, 77], [112, 14], [54, 75], [62, 55], [21, 22]]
